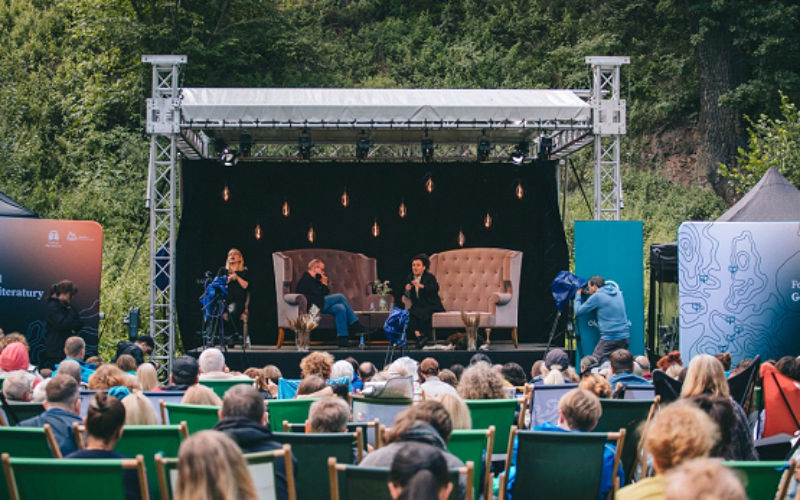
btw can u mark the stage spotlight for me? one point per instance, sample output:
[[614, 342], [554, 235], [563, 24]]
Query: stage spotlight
[[311, 234], [363, 146], [258, 230], [518, 156], [229, 157], [403, 211], [545, 147], [285, 208], [375, 229], [484, 149], [245, 145], [345, 198], [487, 221], [226, 193], [304, 145], [427, 150], [461, 238], [429, 182]]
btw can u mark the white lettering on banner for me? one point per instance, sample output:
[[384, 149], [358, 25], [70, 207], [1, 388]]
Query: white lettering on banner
[[795, 284], [796, 296], [21, 293]]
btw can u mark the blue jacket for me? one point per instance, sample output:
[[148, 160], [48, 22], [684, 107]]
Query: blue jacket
[[61, 422], [87, 369], [608, 463], [628, 378], [610, 306]]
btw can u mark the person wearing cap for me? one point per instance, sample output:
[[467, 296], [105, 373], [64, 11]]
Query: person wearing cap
[[606, 301], [184, 374], [141, 346], [555, 363], [644, 363], [622, 369], [432, 386]]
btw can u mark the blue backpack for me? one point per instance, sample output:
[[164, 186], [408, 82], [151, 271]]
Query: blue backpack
[[395, 326]]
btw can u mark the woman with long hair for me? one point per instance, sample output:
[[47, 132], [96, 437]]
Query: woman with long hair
[[419, 472], [63, 321], [211, 467], [238, 298]]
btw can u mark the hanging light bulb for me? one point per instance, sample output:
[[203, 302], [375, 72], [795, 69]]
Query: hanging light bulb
[[402, 210], [461, 238], [258, 231], [375, 229], [226, 194], [520, 192], [285, 209], [345, 198], [429, 184], [487, 221], [311, 234]]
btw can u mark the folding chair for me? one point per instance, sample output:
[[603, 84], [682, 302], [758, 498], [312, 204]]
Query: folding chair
[[544, 403], [475, 446], [29, 443], [781, 402], [741, 384], [197, 417], [494, 412], [762, 480], [667, 388], [375, 425], [384, 410], [627, 414], [291, 410], [149, 440], [221, 386]]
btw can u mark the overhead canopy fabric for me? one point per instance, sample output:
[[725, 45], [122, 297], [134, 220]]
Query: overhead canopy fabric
[[395, 106], [773, 199], [10, 208]]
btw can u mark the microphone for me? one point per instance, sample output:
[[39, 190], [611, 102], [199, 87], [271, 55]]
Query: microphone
[[318, 277]]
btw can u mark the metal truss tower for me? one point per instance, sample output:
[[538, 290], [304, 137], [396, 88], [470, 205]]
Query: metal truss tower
[[609, 123], [164, 126]]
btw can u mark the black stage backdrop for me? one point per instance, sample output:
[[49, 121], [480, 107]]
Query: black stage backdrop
[[463, 193]]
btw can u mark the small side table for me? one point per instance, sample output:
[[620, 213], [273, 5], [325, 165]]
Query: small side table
[[374, 321]]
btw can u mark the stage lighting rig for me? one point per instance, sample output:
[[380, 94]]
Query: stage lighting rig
[[484, 149], [545, 147], [363, 146], [229, 157], [304, 145], [518, 156], [427, 149]]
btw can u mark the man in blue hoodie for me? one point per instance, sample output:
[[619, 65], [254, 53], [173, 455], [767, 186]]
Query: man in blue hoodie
[[606, 300]]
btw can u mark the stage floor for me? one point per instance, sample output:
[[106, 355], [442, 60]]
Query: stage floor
[[287, 359]]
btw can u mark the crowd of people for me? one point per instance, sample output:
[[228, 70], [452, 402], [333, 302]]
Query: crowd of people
[[683, 440]]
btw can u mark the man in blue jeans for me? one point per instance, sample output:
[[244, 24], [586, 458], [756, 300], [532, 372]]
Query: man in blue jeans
[[314, 286]]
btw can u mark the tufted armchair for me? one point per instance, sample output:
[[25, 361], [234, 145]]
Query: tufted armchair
[[478, 280], [350, 274]]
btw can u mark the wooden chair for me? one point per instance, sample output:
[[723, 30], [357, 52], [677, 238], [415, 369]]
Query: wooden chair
[[352, 482], [17, 412], [544, 403], [149, 440], [291, 410], [221, 386], [29, 443], [761, 480], [197, 417], [475, 446], [627, 414], [41, 478], [559, 464], [375, 425], [667, 388], [494, 412], [385, 410]]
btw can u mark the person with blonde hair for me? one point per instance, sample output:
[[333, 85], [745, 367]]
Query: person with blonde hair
[[555, 363], [146, 373], [596, 384], [201, 395], [211, 467], [703, 479], [139, 410], [458, 410], [707, 375], [677, 434], [480, 381]]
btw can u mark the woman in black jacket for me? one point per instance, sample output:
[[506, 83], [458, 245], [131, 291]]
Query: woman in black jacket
[[63, 320], [423, 291]]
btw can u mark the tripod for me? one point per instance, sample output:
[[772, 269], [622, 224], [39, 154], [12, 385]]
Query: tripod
[[573, 337]]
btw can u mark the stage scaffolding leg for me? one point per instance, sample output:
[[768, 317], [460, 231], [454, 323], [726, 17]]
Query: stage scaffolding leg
[[163, 125]]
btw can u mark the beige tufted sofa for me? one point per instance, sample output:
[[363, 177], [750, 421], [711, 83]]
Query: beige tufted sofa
[[350, 274], [478, 280]]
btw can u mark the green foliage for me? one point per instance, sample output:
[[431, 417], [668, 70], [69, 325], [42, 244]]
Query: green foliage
[[774, 142]]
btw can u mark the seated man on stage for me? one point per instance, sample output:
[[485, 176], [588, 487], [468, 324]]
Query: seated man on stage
[[606, 299], [314, 286]]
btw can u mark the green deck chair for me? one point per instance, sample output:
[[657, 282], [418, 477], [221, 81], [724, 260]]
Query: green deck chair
[[354, 482], [262, 470], [475, 446], [220, 386], [291, 410], [197, 417], [29, 443], [761, 480], [494, 412], [559, 464], [41, 478], [627, 414], [375, 425], [149, 440], [17, 412], [312, 452]]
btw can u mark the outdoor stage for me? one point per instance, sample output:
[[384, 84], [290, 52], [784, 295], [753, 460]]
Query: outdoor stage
[[287, 359]]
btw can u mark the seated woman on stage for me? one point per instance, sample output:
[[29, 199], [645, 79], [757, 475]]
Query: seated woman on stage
[[238, 299], [423, 291]]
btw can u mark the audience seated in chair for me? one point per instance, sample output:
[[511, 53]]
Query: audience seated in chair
[[703, 479], [419, 472], [210, 465], [75, 349], [17, 386], [184, 374], [201, 395], [622, 369], [432, 386], [244, 419], [480, 381], [139, 410], [73, 369], [63, 405], [329, 415], [212, 366]]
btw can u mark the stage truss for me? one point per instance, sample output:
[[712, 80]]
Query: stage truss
[[174, 135]]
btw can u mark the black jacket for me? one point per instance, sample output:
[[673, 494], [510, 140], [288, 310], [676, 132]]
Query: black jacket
[[63, 321], [427, 302], [125, 347], [313, 289], [253, 437]]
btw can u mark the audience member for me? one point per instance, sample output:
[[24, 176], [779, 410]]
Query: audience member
[[104, 422], [317, 363], [448, 377], [127, 364], [644, 365], [587, 363], [62, 405], [596, 384], [342, 369], [622, 369], [479, 381], [46, 373], [73, 369], [678, 433], [310, 385], [458, 369], [433, 386], [17, 385], [95, 360], [536, 372], [272, 373], [555, 363], [458, 410], [138, 409], [201, 395], [329, 414], [514, 374], [39, 395], [706, 375], [243, 419], [721, 412], [666, 362], [789, 366], [404, 367], [12, 338], [262, 383], [106, 377], [146, 373], [211, 466], [138, 349], [478, 357], [703, 479], [75, 349], [419, 472], [212, 366], [366, 371], [14, 358], [184, 374], [725, 359], [356, 383]]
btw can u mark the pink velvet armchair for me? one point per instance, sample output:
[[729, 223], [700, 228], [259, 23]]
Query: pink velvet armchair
[[350, 274]]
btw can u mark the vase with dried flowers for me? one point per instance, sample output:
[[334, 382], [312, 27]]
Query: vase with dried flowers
[[302, 326], [382, 289], [471, 324]]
